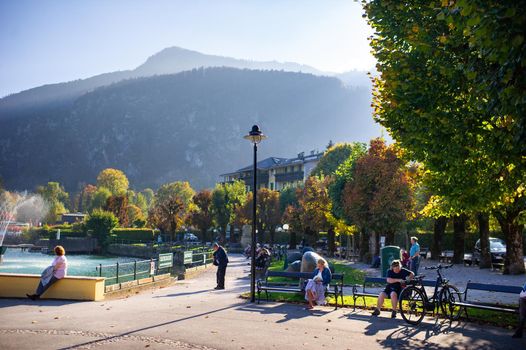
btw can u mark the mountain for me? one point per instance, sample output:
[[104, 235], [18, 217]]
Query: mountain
[[168, 61], [185, 126]]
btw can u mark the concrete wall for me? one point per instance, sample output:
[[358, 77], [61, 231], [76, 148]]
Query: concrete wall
[[69, 288]]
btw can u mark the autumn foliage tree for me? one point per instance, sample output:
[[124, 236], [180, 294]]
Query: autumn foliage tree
[[379, 197], [173, 204], [118, 205], [201, 217], [114, 180]]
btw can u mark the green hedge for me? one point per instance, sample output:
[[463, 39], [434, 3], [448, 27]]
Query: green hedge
[[65, 231], [133, 234]]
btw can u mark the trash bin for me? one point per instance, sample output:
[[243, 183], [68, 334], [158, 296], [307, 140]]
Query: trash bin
[[388, 254]]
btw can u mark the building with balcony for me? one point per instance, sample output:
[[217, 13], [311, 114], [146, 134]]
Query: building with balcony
[[277, 173]]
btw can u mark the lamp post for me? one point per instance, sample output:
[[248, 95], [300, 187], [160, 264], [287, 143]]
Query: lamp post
[[255, 136]]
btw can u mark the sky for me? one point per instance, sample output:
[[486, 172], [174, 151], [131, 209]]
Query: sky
[[51, 41]]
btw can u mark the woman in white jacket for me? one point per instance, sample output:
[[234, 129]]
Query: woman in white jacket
[[60, 270]]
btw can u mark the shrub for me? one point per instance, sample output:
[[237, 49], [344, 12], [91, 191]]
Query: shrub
[[100, 223], [134, 234]]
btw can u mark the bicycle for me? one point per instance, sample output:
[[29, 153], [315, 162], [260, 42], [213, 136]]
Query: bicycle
[[414, 302]]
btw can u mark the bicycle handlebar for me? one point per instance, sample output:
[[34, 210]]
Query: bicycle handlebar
[[438, 267]]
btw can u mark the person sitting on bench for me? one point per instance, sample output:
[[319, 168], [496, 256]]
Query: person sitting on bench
[[315, 288], [396, 275]]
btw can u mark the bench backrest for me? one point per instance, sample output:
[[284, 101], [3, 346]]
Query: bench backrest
[[494, 288], [305, 275]]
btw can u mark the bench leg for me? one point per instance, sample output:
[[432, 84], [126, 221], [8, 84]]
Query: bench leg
[[266, 293], [259, 296]]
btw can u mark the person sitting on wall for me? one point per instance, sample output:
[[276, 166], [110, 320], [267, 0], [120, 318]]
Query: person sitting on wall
[[53, 273], [396, 275]]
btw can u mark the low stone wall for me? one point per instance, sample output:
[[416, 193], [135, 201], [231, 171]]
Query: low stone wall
[[69, 288]]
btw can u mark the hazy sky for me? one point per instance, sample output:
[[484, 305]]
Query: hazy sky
[[44, 41]]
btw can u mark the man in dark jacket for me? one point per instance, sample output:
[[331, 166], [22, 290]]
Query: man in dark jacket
[[220, 260]]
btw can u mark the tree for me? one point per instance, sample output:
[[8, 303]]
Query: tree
[[114, 180], [315, 204], [135, 216], [173, 205], [269, 213], [378, 199], [334, 156], [86, 197], [56, 197], [100, 198], [201, 217], [100, 223], [226, 200], [118, 205], [450, 92]]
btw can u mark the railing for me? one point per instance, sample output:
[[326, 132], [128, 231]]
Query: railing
[[197, 257], [128, 271]]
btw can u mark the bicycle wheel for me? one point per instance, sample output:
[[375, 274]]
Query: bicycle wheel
[[448, 297], [412, 305]]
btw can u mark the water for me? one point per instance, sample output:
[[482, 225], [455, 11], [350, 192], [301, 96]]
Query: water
[[16, 261]]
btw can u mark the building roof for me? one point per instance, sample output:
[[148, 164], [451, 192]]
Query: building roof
[[276, 162]]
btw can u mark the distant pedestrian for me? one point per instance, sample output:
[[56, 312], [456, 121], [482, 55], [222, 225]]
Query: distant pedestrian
[[414, 255], [221, 261], [55, 272], [522, 313]]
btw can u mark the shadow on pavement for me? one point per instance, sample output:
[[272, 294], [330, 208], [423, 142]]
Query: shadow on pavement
[[183, 294], [41, 302], [288, 311], [116, 336]]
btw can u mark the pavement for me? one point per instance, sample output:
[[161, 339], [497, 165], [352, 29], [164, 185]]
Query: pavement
[[191, 315]]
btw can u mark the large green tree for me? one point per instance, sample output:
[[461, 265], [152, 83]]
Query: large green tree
[[450, 91]]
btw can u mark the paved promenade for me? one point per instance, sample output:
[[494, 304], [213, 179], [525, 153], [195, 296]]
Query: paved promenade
[[191, 315]]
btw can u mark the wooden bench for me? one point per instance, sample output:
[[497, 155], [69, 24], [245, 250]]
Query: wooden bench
[[382, 282], [446, 256], [264, 285], [423, 252], [489, 306]]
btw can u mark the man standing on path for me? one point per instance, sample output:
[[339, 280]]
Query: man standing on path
[[414, 255], [220, 260]]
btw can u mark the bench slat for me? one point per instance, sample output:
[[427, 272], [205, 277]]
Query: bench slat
[[494, 288]]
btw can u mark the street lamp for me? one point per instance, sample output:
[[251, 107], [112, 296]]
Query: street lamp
[[255, 136]]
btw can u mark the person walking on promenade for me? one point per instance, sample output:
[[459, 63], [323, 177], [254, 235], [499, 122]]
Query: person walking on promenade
[[55, 272], [522, 313], [395, 277], [316, 286], [414, 255], [221, 261]]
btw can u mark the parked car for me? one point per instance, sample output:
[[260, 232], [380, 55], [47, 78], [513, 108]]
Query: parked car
[[190, 237], [497, 248]]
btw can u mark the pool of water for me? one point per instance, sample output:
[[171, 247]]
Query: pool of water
[[16, 261]]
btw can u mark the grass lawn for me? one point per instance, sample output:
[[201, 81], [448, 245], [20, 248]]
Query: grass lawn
[[354, 276]]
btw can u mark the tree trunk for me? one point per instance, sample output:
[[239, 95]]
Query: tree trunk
[[272, 233], [363, 245], [331, 241], [390, 238], [374, 243], [459, 235], [438, 233], [232, 234], [485, 255], [293, 242], [512, 230]]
